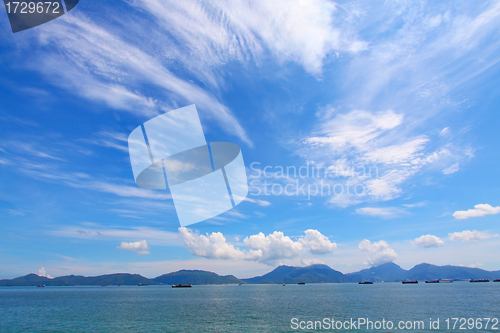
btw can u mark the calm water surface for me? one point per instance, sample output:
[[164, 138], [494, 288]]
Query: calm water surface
[[245, 308]]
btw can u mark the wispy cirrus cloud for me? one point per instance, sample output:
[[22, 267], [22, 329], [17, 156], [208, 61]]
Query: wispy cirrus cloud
[[383, 212], [98, 64], [409, 76], [218, 32], [98, 232]]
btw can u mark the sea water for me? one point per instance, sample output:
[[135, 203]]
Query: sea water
[[251, 308]]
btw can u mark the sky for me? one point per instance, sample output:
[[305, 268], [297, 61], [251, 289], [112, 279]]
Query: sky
[[369, 133]]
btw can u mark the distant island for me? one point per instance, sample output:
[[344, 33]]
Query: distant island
[[389, 272]]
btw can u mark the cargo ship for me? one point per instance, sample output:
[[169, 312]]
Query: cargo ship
[[409, 282], [365, 282], [479, 280], [181, 286]]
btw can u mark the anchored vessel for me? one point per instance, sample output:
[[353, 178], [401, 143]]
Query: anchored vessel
[[409, 282], [181, 286], [365, 282], [479, 280]]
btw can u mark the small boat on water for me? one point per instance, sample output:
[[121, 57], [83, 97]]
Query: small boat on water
[[181, 286], [142, 284], [365, 282], [41, 286], [496, 280], [432, 281], [283, 284], [301, 283], [409, 282], [479, 280]]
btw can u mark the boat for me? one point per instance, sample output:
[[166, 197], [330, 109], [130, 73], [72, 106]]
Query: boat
[[41, 286], [479, 280], [103, 285], [445, 281], [181, 286], [142, 285], [409, 282], [432, 281], [283, 284], [365, 282], [301, 283], [496, 280]]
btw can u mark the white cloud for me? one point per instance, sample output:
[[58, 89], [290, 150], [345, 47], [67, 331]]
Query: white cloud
[[317, 243], [42, 272], [451, 169], [386, 212], [152, 235], [397, 153], [100, 65], [270, 248], [140, 247], [304, 31], [311, 261], [477, 211], [354, 129], [468, 235], [380, 252], [274, 246], [213, 246], [427, 241], [262, 203]]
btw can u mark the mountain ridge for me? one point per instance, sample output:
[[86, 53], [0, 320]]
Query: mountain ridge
[[318, 273]]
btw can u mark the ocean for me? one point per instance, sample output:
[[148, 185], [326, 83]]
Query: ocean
[[253, 308]]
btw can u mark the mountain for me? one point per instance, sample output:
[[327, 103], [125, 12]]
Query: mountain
[[75, 280], [426, 271], [389, 272], [195, 277], [27, 280], [291, 274], [386, 272]]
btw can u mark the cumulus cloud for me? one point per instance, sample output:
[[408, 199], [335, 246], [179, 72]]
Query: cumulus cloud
[[213, 246], [477, 211], [273, 247], [468, 235], [139, 247], [427, 241], [317, 243], [42, 272], [380, 252]]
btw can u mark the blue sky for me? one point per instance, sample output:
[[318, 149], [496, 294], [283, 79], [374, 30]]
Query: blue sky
[[409, 89]]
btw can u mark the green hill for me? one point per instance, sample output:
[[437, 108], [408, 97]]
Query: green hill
[[195, 277]]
